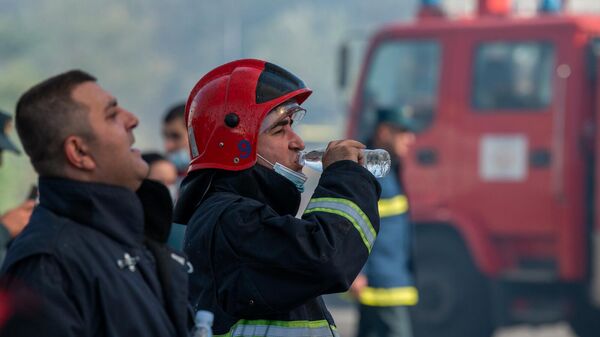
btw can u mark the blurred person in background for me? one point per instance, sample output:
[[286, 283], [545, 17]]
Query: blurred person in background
[[14, 220], [175, 137], [161, 170], [386, 286], [260, 269], [94, 249]]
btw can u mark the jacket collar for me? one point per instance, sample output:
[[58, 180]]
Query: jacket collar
[[113, 210], [264, 185], [258, 183]]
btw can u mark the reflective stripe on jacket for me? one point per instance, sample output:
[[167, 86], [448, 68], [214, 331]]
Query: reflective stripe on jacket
[[266, 328], [385, 297], [260, 269], [388, 269]]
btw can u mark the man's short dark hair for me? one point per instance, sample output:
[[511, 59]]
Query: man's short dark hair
[[46, 115], [176, 111], [153, 157]]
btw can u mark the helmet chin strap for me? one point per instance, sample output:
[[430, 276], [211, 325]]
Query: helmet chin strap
[[265, 159]]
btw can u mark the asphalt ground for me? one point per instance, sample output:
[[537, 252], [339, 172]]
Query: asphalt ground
[[346, 319]]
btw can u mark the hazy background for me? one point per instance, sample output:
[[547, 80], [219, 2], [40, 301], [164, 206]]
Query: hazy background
[[149, 53]]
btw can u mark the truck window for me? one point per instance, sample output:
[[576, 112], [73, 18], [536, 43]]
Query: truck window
[[403, 76], [513, 76], [592, 55]]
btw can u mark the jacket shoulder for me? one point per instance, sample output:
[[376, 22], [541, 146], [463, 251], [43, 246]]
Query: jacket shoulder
[[214, 206], [43, 235]]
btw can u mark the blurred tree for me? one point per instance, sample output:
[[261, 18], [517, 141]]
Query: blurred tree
[[149, 53]]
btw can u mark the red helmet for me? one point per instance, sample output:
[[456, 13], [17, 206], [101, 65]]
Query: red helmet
[[226, 107]]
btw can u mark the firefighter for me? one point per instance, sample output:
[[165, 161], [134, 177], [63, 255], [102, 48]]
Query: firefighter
[[386, 286], [257, 267]]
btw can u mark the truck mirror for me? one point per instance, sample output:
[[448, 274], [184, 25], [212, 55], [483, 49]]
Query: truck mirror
[[343, 61]]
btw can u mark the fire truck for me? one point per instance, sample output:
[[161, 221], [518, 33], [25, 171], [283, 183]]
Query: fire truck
[[504, 175]]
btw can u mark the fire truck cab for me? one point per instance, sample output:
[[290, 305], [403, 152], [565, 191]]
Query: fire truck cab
[[503, 178]]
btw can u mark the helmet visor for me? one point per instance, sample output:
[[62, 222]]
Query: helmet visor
[[289, 109]]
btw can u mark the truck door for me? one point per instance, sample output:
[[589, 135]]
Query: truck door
[[511, 141], [404, 73]]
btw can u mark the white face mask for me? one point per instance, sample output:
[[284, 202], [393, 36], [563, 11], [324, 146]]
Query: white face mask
[[180, 158], [297, 178]]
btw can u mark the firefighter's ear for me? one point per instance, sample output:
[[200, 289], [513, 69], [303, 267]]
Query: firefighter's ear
[[78, 154]]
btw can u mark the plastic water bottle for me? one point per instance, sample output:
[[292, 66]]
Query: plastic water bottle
[[376, 161], [204, 321]]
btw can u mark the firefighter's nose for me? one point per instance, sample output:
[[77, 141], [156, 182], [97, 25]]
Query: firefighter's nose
[[296, 143]]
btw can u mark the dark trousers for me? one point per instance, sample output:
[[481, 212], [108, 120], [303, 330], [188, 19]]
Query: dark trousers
[[384, 322]]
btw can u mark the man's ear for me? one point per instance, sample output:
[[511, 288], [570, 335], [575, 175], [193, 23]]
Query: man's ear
[[78, 153]]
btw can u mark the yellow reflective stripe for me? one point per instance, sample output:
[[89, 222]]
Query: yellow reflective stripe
[[388, 297], [393, 206], [348, 210], [268, 328], [334, 331]]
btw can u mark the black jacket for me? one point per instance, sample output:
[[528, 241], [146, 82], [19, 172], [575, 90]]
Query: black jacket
[[260, 269], [73, 255]]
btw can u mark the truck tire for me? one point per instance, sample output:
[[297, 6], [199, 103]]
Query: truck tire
[[585, 318], [454, 297]]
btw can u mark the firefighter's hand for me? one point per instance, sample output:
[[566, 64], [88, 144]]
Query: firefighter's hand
[[15, 219], [358, 285], [346, 149]]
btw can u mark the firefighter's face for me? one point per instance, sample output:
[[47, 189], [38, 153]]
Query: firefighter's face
[[395, 140], [280, 144], [402, 143]]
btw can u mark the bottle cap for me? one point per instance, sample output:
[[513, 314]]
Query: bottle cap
[[204, 316]]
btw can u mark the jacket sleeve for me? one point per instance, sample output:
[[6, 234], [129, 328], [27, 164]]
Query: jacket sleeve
[[4, 240], [286, 261], [52, 312]]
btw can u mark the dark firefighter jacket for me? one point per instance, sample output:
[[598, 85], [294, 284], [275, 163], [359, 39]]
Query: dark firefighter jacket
[[83, 254], [260, 269], [389, 267]]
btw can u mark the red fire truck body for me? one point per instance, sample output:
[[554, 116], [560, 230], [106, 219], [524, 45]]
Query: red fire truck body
[[502, 179]]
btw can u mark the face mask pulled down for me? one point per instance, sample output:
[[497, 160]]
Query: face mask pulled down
[[297, 178], [180, 158]]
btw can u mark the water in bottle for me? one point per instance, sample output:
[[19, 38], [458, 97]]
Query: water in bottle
[[204, 320], [376, 161]]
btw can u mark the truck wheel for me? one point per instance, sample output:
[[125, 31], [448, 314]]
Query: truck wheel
[[454, 298], [584, 320]]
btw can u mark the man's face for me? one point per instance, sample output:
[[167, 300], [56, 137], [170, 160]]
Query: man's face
[[117, 163], [175, 135], [395, 140], [402, 142], [280, 144], [163, 171]]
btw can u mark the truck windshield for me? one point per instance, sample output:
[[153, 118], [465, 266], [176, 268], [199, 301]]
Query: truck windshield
[[512, 76], [403, 77]]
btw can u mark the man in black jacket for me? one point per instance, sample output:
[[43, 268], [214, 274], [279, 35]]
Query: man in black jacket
[[86, 252], [257, 267]]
